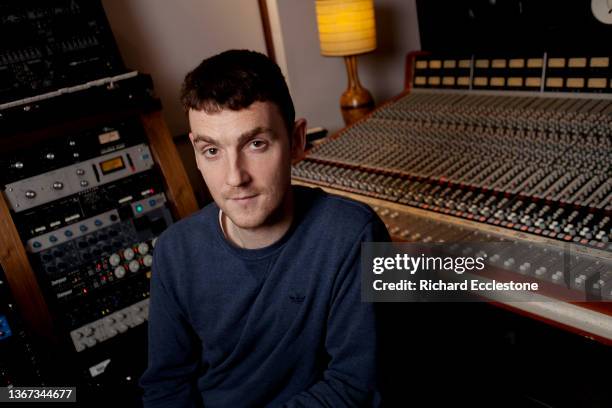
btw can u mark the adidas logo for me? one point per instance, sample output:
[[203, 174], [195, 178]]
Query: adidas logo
[[297, 298]]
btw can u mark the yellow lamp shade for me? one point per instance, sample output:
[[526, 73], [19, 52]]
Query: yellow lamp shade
[[346, 27]]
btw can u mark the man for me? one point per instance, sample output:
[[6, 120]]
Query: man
[[255, 299]]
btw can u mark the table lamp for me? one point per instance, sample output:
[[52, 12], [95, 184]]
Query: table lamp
[[347, 28]]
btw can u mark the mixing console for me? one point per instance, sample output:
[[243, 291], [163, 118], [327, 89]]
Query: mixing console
[[453, 161], [535, 164]]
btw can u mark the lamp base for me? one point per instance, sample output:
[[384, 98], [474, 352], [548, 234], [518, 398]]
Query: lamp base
[[356, 101], [355, 104]]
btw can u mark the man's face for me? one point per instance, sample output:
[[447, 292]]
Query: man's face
[[245, 159]]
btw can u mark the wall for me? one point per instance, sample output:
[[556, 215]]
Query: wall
[[317, 82], [168, 38]]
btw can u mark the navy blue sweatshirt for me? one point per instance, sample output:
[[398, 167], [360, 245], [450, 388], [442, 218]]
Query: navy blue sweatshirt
[[278, 326]]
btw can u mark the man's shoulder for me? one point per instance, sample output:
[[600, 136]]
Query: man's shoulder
[[337, 212], [355, 210], [191, 227]]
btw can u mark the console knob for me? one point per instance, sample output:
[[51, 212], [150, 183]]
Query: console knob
[[58, 185], [143, 248], [134, 266], [128, 254], [119, 272], [30, 194], [80, 172], [114, 260], [540, 271], [525, 267], [147, 260]]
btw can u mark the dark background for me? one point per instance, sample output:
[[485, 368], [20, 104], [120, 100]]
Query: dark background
[[501, 26]]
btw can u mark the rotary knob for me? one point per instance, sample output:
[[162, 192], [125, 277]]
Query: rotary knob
[[90, 341], [143, 248], [114, 260], [557, 276], [147, 260], [128, 254], [30, 194], [80, 172], [119, 272], [525, 267], [50, 156], [84, 183], [58, 185], [134, 266]]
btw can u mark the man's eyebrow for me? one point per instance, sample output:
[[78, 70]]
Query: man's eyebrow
[[241, 139], [203, 139]]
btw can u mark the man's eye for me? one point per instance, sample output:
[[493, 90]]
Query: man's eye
[[210, 152], [258, 144]]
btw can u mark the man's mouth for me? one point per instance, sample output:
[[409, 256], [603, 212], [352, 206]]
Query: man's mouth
[[243, 197]]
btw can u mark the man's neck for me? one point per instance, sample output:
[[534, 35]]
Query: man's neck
[[264, 235]]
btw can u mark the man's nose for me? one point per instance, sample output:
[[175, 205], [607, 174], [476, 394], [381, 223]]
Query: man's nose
[[237, 174]]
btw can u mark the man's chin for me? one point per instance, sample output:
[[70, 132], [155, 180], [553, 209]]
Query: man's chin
[[245, 221]]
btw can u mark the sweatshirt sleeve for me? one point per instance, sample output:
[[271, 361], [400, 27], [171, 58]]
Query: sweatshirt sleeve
[[174, 349], [350, 377]]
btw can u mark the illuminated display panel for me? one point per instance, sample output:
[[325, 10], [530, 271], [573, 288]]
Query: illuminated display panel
[[110, 165]]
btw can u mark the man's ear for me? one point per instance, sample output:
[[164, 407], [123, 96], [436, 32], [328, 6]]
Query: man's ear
[[298, 140]]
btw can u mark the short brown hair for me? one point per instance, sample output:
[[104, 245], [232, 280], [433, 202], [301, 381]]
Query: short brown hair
[[234, 80]]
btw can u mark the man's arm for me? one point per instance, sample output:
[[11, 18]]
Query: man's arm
[[174, 349], [350, 378]]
